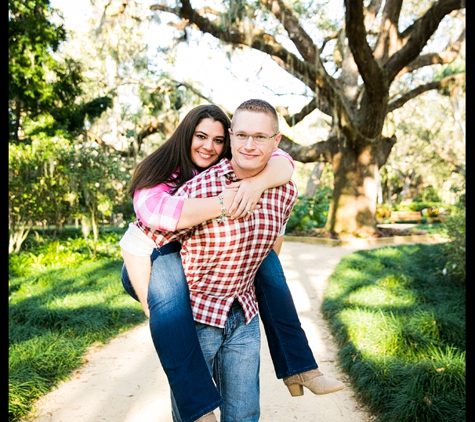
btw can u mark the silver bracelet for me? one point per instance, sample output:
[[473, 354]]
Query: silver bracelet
[[221, 218]]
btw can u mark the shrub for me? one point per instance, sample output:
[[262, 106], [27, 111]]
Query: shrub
[[310, 213], [455, 227], [427, 194], [383, 212]]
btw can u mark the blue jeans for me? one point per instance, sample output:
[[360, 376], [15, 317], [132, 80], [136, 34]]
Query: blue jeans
[[179, 350], [288, 344], [233, 357], [174, 335]]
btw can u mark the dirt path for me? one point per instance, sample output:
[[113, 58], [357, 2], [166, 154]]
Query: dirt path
[[124, 382]]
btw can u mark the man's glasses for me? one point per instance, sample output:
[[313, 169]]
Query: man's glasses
[[259, 139]]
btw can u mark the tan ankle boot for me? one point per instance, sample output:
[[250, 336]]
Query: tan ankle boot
[[315, 381], [209, 417]]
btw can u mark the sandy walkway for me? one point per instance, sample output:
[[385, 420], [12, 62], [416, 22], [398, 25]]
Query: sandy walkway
[[124, 382]]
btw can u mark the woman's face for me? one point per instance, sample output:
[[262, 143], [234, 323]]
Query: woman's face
[[208, 143]]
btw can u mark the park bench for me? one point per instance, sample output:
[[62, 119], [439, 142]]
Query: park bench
[[406, 216]]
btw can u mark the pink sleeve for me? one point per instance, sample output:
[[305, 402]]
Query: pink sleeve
[[279, 152], [157, 208]]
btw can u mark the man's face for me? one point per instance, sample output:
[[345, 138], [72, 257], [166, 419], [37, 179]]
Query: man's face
[[250, 155]]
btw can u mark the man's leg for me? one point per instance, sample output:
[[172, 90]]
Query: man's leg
[[236, 368], [210, 339]]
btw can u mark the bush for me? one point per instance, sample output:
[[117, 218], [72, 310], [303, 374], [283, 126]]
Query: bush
[[310, 213], [427, 194], [383, 212], [455, 227]]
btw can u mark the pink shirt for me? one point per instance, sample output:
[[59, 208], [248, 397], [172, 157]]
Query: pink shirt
[[221, 259], [157, 209]]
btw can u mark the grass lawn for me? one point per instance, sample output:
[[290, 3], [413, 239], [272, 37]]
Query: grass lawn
[[399, 321], [61, 302], [400, 325]]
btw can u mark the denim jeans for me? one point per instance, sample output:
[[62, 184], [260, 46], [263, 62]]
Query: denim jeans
[[288, 344], [232, 354], [174, 334]]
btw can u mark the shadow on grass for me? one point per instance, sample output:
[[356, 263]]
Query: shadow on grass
[[54, 317], [400, 325]]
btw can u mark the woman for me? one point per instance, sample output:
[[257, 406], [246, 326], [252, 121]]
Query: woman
[[199, 141]]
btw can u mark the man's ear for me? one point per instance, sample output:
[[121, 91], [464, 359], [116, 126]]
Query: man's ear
[[277, 141]]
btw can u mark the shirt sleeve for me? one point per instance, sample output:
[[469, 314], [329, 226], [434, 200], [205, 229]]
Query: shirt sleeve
[[282, 230], [157, 208], [281, 153]]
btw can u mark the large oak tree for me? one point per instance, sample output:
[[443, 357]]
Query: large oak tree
[[381, 56]]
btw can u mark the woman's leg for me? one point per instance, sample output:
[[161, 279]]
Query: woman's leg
[[138, 269], [288, 344], [174, 336], [292, 357]]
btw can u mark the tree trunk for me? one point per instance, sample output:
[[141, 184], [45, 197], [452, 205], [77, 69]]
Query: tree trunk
[[314, 180], [353, 205]]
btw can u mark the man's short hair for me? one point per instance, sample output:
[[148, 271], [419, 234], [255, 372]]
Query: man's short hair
[[259, 106]]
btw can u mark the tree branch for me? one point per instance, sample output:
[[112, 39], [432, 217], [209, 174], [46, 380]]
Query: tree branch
[[419, 33], [458, 78], [297, 34], [444, 57], [388, 39], [322, 151], [367, 65]]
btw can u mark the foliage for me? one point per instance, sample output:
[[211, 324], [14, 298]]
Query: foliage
[[52, 180], [383, 212], [36, 186], [427, 194], [95, 176], [310, 213], [456, 249], [400, 325], [430, 148], [61, 302], [40, 85]]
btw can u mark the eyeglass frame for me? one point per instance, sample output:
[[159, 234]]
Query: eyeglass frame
[[259, 142]]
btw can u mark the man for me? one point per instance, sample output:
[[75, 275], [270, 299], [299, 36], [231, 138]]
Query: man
[[221, 258]]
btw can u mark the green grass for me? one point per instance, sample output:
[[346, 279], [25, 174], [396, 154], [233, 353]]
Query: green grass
[[61, 302], [399, 322], [400, 325]]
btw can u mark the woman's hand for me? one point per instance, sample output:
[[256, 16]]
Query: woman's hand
[[247, 198]]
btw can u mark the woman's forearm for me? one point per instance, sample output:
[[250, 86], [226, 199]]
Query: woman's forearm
[[198, 210]]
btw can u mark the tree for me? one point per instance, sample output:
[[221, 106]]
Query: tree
[[44, 93], [430, 149], [380, 57], [37, 187], [47, 110], [96, 178], [147, 103]]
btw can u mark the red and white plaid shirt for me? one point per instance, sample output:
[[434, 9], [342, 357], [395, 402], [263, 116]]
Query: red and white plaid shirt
[[221, 259]]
